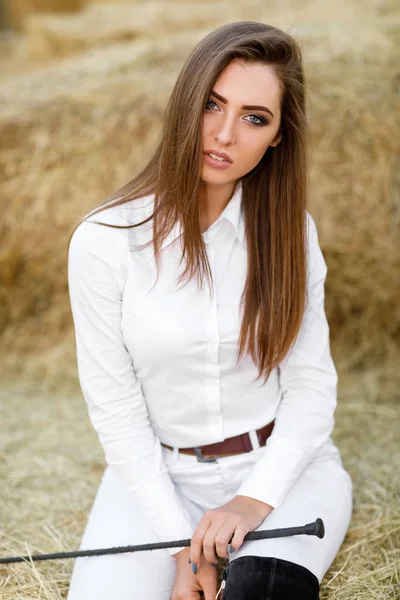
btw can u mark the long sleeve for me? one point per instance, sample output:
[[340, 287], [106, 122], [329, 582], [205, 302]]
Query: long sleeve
[[308, 379], [113, 393]]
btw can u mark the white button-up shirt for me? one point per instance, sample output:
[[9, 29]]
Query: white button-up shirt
[[157, 360]]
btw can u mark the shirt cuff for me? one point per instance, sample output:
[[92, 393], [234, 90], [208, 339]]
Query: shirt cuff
[[274, 473]]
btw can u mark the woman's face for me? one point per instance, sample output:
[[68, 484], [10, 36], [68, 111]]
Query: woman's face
[[244, 134]]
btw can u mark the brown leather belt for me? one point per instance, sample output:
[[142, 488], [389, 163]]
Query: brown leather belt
[[234, 445]]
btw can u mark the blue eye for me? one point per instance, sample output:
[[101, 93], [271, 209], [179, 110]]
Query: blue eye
[[210, 102], [261, 121]]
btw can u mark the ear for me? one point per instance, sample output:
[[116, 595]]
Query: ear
[[276, 140]]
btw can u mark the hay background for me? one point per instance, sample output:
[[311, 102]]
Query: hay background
[[81, 100]]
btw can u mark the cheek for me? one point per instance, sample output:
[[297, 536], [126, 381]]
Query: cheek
[[254, 150], [206, 128]]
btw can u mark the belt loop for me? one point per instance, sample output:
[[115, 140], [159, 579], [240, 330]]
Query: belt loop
[[254, 439], [175, 453]]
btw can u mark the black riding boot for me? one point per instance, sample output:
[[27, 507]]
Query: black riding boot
[[265, 578]]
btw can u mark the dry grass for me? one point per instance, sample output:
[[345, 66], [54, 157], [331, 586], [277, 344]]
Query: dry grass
[[79, 114], [49, 482]]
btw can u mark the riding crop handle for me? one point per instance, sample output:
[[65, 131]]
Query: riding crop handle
[[315, 528]]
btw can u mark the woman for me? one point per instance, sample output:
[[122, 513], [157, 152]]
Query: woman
[[196, 446]]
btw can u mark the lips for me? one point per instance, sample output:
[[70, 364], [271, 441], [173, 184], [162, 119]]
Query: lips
[[220, 154]]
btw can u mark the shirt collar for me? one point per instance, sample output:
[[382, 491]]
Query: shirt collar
[[232, 212]]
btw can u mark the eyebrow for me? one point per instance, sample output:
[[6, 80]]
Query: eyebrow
[[246, 107]]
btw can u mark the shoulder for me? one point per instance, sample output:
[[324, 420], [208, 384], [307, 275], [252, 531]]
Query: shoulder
[[310, 226], [96, 232], [317, 267]]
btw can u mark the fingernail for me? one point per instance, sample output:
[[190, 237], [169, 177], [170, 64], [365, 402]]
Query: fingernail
[[231, 550], [194, 568], [214, 564]]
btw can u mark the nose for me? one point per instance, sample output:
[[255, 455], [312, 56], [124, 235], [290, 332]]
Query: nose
[[225, 133]]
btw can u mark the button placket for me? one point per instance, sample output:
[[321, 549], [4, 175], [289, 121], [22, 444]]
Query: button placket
[[214, 400]]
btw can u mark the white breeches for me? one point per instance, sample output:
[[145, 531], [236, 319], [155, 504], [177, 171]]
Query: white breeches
[[324, 490]]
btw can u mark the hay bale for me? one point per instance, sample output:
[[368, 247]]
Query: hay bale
[[51, 36], [18, 10], [88, 123]]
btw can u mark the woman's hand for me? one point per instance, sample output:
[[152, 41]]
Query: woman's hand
[[217, 527], [188, 586]]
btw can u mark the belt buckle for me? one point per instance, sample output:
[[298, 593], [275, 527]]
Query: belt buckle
[[201, 458]]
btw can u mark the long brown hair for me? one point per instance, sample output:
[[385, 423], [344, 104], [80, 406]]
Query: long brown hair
[[273, 193]]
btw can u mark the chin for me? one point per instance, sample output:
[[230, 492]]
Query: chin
[[217, 178]]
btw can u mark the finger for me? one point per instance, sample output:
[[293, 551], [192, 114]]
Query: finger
[[196, 543], [238, 537], [209, 543], [210, 588], [223, 537]]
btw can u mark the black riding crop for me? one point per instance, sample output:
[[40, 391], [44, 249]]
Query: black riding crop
[[316, 528]]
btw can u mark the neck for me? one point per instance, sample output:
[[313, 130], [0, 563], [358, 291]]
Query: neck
[[213, 200]]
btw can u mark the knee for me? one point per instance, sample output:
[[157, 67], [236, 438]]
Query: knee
[[268, 578]]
